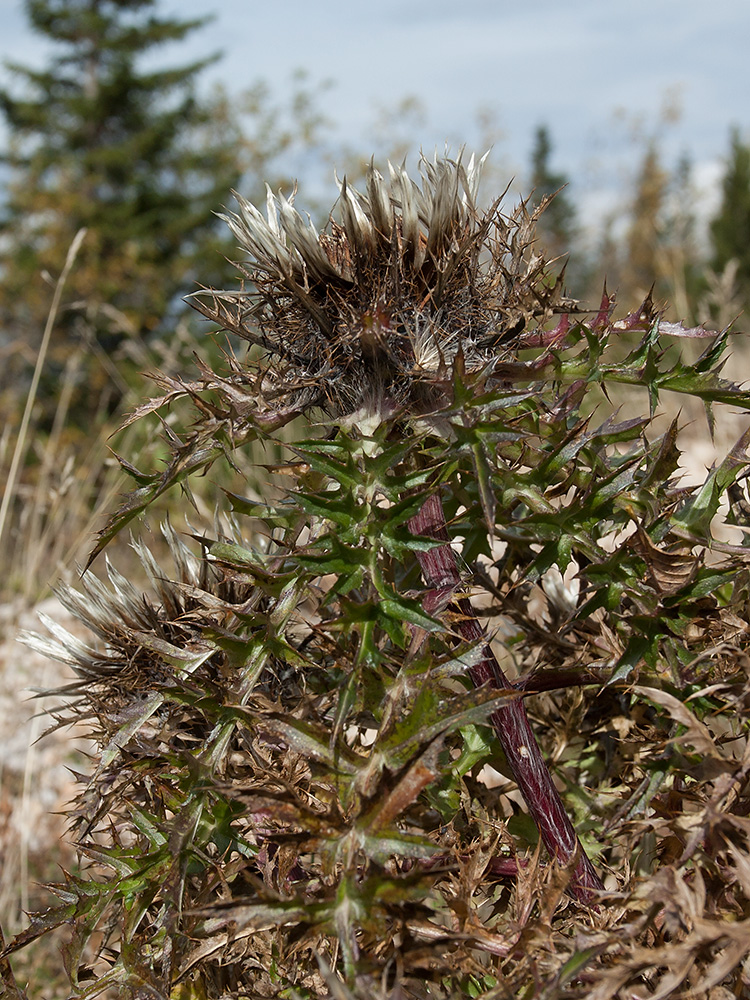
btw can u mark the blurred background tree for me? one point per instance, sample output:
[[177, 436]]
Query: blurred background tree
[[644, 237], [133, 155], [730, 228], [681, 264], [113, 136], [557, 231], [660, 251]]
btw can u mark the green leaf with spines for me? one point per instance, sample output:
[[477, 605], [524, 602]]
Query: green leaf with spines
[[331, 555]]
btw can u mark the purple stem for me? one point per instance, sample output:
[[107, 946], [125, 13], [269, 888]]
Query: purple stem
[[440, 572]]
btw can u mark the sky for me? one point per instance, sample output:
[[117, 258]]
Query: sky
[[599, 74]]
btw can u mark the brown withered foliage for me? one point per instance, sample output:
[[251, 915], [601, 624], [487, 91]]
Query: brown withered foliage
[[462, 709]]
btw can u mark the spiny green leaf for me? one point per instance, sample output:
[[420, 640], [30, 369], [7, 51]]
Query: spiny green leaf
[[395, 843], [402, 609], [338, 507], [433, 715], [137, 716], [345, 473]]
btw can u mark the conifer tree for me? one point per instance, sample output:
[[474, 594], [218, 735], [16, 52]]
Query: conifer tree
[[643, 265], [730, 229], [98, 140], [557, 225], [682, 262]]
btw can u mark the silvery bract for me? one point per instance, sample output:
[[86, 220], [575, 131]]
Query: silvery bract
[[377, 306]]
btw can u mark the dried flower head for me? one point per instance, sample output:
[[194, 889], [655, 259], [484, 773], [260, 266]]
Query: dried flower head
[[378, 305], [141, 637]]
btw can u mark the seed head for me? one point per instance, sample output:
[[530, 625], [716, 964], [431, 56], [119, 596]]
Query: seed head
[[142, 637], [407, 276]]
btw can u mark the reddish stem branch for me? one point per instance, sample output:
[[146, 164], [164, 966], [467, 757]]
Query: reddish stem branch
[[440, 572]]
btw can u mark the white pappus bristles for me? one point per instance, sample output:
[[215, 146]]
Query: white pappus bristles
[[380, 303]]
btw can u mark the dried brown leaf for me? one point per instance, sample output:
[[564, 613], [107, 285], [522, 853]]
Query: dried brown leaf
[[669, 571], [698, 734]]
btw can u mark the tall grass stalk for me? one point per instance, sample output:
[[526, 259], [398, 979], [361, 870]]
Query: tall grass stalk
[[20, 448]]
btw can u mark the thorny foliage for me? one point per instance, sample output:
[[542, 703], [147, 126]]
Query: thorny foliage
[[288, 798]]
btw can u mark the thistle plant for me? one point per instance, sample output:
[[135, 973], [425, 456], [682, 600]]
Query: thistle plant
[[465, 561]]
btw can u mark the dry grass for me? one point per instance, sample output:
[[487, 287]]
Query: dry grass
[[36, 784]]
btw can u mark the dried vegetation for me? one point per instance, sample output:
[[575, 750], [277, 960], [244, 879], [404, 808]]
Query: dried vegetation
[[472, 564]]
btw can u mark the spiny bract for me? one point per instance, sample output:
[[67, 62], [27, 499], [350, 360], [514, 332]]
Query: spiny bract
[[378, 306]]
